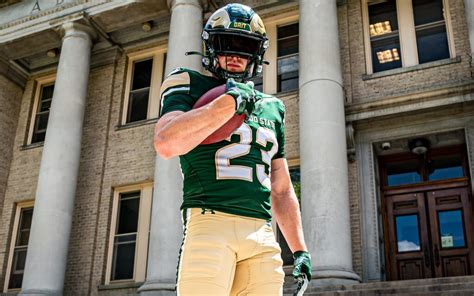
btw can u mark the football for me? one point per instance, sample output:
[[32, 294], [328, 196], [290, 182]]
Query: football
[[225, 130]]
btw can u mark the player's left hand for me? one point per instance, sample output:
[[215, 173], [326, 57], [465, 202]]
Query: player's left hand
[[302, 264], [243, 91]]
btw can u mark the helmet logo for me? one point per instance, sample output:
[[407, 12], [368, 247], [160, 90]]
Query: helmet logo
[[257, 25], [240, 25], [220, 19]]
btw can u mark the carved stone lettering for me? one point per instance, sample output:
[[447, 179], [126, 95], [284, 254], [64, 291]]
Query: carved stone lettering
[[36, 8]]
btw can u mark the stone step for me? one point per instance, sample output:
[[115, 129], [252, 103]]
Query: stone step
[[419, 282], [438, 286], [468, 292], [443, 293]]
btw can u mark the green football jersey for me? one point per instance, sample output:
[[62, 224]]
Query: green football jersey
[[233, 175]]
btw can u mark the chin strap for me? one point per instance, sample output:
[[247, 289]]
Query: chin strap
[[194, 53]]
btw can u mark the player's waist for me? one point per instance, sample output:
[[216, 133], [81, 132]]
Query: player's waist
[[259, 211], [198, 211]]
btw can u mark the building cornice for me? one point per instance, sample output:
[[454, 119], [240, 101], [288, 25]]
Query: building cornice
[[53, 17], [116, 23], [13, 72], [389, 106]]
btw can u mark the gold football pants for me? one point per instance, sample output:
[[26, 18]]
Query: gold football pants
[[224, 254]]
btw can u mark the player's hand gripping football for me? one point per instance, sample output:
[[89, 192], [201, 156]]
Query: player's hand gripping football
[[243, 94], [301, 271]]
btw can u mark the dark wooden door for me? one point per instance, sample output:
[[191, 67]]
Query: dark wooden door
[[408, 235], [427, 214], [450, 217], [430, 234]]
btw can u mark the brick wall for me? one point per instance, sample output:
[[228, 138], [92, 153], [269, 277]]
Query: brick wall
[[346, 22], [354, 202], [111, 157], [22, 178], [88, 194], [292, 145], [23, 175], [129, 159], [10, 98]]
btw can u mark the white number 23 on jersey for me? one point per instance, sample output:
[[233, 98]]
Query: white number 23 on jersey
[[224, 170]]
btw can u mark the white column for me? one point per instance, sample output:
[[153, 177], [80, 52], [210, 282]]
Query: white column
[[166, 227], [323, 152], [469, 9], [56, 190]]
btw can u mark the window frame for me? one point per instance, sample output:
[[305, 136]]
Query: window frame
[[157, 54], [286, 56], [270, 77], [16, 225], [143, 232], [39, 84], [407, 33]]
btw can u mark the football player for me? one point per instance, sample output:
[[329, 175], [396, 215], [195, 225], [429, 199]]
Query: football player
[[230, 187]]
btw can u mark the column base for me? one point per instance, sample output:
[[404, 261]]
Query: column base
[[38, 292], [325, 277], [157, 288]]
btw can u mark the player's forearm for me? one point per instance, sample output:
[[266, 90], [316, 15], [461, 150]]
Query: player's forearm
[[287, 213], [186, 131]]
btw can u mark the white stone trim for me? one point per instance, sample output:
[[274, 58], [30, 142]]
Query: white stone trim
[[16, 224], [39, 83], [271, 71], [31, 24], [469, 134], [366, 32], [158, 55], [417, 102], [371, 259], [141, 248], [449, 29]]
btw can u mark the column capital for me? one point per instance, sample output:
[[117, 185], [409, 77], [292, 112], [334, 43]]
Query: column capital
[[77, 29], [172, 4]]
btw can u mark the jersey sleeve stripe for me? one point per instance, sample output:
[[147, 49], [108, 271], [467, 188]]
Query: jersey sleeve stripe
[[181, 79]]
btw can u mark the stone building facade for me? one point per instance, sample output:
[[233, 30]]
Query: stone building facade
[[89, 209]]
